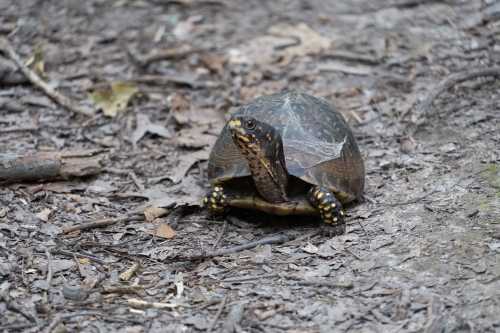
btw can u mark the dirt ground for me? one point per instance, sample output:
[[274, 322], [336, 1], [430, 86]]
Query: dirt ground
[[418, 82]]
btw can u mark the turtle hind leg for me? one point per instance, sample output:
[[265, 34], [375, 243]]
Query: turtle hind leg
[[216, 201], [330, 209]]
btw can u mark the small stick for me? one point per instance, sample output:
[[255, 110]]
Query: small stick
[[451, 81], [321, 283], [217, 315], [140, 304], [103, 223], [235, 249], [59, 98], [221, 234], [59, 318], [50, 271], [127, 275]]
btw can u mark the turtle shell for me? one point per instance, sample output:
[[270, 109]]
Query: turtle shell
[[319, 146]]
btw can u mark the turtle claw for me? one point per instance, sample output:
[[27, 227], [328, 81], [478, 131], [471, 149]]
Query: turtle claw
[[330, 209], [215, 201]]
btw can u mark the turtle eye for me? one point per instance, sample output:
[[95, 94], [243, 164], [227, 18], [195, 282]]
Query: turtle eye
[[250, 124]]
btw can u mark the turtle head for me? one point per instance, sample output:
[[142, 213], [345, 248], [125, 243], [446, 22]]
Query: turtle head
[[262, 146], [248, 131]]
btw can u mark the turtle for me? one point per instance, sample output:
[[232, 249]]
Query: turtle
[[287, 153]]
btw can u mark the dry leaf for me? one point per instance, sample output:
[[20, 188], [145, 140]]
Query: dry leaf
[[195, 137], [44, 214], [144, 125], [84, 261], [310, 248], [214, 62], [152, 213], [283, 41], [178, 103], [309, 41], [36, 62], [199, 117], [115, 98], [164, 231]]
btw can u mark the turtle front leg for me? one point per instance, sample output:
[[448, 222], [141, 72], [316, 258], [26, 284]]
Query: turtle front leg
[[329, 208], [216, 201]]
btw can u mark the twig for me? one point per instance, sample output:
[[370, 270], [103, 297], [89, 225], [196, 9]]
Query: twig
[[59, 98], [11, 306], [180, 52], [221, 234], [452, 80], [50, 271], [230, 250], [127, 275], [324, 283], [140, 304], [249, 278], [14, 129], [59, 318], [48, 165], [103, 223], [217, 315], [77, 254]]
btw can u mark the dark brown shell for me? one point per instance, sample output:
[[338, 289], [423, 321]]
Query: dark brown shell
[[319, 146]]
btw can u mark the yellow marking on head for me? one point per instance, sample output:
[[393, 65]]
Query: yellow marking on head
[[243, 138], [319, 195], [234, 123]]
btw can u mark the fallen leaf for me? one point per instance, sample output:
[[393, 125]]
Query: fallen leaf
[[178, 103], [152, 213], [36, 61], [311, 42], [197, 117], [114, 99], [184, 164], [310, 248], [84, 261], [283, 42], [214, 62], [144, 125], [184, 28], [164, 231], [44, 214], [195, 137], [187, 193]]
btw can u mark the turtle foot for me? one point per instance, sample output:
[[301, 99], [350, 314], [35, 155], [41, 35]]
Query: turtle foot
[[215, 201], [330, 209]]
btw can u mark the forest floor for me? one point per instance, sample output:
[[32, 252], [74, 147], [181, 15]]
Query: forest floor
[[150, 85]]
